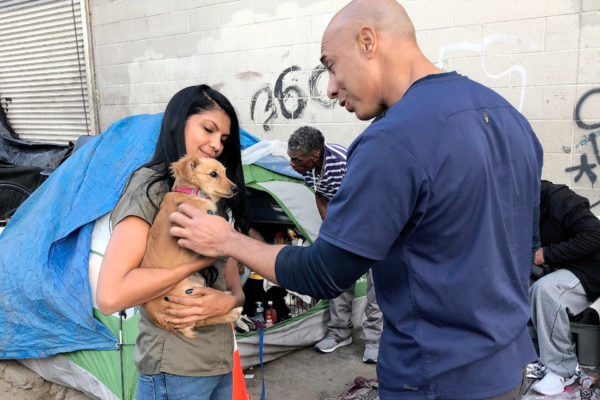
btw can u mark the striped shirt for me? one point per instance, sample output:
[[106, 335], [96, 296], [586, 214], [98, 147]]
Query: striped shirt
[[328, 180]]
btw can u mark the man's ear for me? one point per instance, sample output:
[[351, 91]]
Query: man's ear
[[367, 41]]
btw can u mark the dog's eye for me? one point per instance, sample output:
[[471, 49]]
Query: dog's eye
[[213, 174]]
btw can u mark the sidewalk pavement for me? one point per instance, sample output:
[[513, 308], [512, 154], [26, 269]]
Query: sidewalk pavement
[[306, 374]]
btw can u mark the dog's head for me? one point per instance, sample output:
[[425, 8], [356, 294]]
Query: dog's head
[[206, 174]]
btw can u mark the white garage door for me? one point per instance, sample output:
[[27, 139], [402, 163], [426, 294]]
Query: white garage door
[[44, 76]]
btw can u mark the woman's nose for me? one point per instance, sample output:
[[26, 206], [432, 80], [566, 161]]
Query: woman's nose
[[215, 142]]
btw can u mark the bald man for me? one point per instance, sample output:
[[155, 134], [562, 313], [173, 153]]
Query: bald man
[[438, 198]]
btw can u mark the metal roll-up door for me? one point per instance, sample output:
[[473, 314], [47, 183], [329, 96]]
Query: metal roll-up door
[[45, 80]]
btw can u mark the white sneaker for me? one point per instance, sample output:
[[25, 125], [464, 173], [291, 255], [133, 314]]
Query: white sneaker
[[552, 384], [371, 352]]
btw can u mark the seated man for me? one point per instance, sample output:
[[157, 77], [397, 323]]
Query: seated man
[[570, 239]]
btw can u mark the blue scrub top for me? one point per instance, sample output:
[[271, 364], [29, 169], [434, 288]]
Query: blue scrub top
[[441, 191]]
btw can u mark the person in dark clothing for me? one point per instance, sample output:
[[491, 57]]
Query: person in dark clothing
[[570, 240]]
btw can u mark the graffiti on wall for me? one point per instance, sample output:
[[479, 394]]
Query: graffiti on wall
[[585, 167], [288, 97], [577, 115], [481, 48], [291, 93]]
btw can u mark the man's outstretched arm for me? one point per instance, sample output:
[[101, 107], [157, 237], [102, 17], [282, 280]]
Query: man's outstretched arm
[[315, 270], [209, 234]]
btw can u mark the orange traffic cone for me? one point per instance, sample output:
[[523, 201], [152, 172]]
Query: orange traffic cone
[[239, 384]]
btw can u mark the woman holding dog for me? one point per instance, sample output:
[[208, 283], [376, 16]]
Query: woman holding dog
[[200, 121]]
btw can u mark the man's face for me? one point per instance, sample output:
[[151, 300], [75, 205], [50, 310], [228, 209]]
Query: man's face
[[302, 161], [352, 79]]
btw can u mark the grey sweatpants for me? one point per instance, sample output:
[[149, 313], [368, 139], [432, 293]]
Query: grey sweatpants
[[340, 315], [553, 298]]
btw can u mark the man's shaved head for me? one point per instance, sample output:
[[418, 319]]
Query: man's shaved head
[[371, 54], [386, 16]]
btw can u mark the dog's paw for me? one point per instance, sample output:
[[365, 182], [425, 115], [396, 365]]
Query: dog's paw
[[189, 332], [233, 315]]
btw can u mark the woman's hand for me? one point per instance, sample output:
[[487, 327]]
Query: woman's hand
[[202, 303], [121, 283]]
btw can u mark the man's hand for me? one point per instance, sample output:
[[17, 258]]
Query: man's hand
[[198, 231], [213, 236], [539, 256]]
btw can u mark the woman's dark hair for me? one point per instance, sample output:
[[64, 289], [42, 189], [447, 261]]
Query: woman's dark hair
[[170, 146]]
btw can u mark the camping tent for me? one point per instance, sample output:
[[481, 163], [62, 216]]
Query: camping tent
[[54, 328]]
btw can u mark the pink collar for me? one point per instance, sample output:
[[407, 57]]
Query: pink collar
[[194, 191]]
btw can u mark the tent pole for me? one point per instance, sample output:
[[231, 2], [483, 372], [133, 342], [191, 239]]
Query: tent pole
[[122, 314]]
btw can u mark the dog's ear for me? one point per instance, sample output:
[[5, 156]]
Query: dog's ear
[[175, 168], [178, 168]]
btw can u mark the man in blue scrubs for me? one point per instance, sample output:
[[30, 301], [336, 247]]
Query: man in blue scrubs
[[438, 199]]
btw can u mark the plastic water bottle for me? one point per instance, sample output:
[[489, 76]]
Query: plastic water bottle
[[260, 311]]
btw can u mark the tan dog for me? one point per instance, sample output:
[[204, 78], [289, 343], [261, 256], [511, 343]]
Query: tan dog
[[200, 182]]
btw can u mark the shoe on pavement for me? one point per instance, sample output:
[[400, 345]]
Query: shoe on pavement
[[552, 384], [329, 344], [371, 352]]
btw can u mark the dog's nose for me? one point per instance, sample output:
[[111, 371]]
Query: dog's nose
[[234, 189]]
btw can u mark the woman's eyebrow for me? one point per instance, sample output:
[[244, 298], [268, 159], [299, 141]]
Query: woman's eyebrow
[[213, 122]]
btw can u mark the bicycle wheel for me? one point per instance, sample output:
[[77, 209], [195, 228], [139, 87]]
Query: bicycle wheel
[[11, 197]]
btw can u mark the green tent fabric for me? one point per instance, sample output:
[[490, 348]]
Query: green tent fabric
[[296, 200]]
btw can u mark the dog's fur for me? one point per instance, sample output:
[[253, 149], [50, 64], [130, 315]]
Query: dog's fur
[[162, 251]]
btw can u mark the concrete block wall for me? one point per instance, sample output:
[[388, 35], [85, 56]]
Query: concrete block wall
[[542, 55]]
